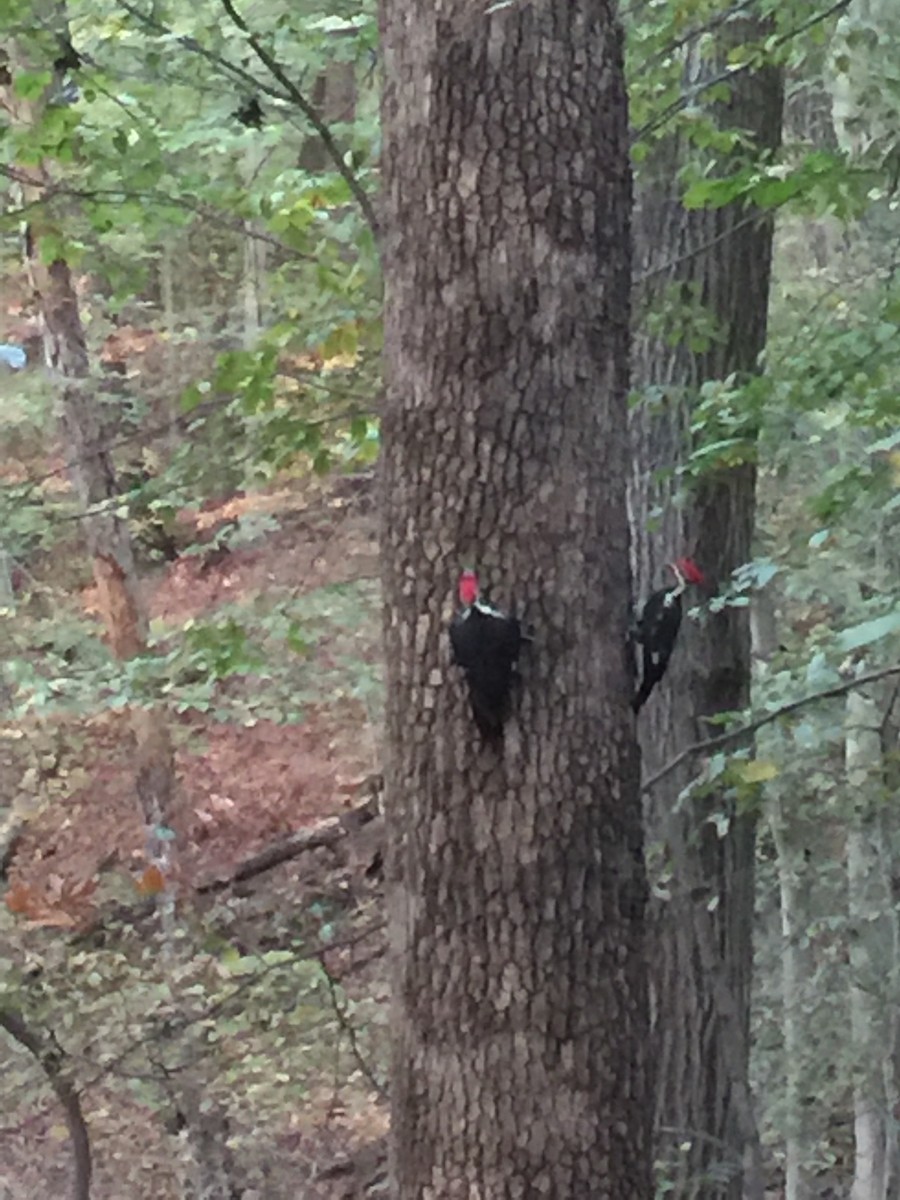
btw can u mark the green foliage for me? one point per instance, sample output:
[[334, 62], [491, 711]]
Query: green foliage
[[820, 183]]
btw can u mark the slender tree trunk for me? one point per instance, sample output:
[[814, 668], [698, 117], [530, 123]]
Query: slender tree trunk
[[253, 275], [93, 479], [167, 301], [714, 264], [870, 947], [888, 866], [796, 971], [515, 873], [792, 834]]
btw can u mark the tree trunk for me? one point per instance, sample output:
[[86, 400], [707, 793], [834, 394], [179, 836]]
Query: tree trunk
[[869, 905], [334, 99], [167, 264], [515, 873], [796, 973], [715, 264], [254, 254]]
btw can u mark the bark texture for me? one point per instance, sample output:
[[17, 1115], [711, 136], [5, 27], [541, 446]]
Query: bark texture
[[718, 263], [516, 872]]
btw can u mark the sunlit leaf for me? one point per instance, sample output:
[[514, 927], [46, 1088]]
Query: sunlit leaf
[[869, 631], [756, 770]]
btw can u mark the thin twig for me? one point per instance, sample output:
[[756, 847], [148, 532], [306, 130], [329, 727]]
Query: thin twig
[[691, 35], [349, 1028], [24, 487], [735, 735], [671, 263], [206, 212], [51, 1057]]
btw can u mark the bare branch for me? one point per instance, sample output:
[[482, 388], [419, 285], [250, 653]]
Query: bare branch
[[349, 1028], [735, 735], [326, 833], [206, 212]]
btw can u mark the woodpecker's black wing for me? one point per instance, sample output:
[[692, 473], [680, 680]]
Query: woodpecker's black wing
[[657, 633], [486, 644]]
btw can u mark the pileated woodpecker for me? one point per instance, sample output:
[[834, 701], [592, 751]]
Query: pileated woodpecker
[[658, 625], [485, 643]]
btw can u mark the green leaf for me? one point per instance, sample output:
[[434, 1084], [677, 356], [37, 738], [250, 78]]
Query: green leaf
[[757, 770], [885, 444], [869, 631]]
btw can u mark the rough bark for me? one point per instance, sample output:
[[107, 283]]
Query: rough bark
[[515, 871], [719, 262]]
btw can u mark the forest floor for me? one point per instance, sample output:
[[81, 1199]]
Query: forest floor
[[243, 789]]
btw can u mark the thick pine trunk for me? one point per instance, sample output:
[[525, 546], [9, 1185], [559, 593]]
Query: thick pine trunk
[[718, 261], [516, 875]]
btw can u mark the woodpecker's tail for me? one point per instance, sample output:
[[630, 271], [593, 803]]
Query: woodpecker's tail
[[642, 695], [489, 717]]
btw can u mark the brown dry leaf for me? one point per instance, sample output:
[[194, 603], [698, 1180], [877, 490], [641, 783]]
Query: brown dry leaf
[[152, 881], [21, 899]]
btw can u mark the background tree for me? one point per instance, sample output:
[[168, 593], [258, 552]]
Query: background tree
[[703, 292], [516, 869]]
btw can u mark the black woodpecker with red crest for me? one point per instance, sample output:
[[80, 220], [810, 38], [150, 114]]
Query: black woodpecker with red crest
[[486, 644], [658, 625]]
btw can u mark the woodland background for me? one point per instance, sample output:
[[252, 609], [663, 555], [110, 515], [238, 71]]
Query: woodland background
[[207, 993]]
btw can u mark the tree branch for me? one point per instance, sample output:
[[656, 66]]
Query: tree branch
[[326, 833], [347, 1026], [207, 212], [735, 735], [731, 71], [312, 115], [692, 35], [50, 1057]]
